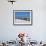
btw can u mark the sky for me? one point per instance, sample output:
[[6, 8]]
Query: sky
[[22, 14]]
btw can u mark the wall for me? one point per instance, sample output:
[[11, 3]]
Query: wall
[[37, 31]]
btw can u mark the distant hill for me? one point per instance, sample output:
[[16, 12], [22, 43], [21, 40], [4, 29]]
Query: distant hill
[[23, 18]]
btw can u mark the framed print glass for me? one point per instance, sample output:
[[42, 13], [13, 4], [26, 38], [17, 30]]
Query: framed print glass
[[22, 17]]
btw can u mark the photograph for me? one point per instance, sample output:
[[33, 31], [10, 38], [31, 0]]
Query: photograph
[[22, 17]]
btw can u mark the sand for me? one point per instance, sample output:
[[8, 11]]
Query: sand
[[18, 21]]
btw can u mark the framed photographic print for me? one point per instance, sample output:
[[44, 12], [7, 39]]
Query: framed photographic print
[[22, 17]]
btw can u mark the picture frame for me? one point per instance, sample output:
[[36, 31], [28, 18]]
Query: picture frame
[[22, 17]]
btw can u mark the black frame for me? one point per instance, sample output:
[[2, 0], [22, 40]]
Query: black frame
[[24, 24]]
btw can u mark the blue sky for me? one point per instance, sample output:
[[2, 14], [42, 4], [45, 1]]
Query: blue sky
[[22, 14]]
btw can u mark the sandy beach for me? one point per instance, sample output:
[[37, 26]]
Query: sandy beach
[[18, 21]]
